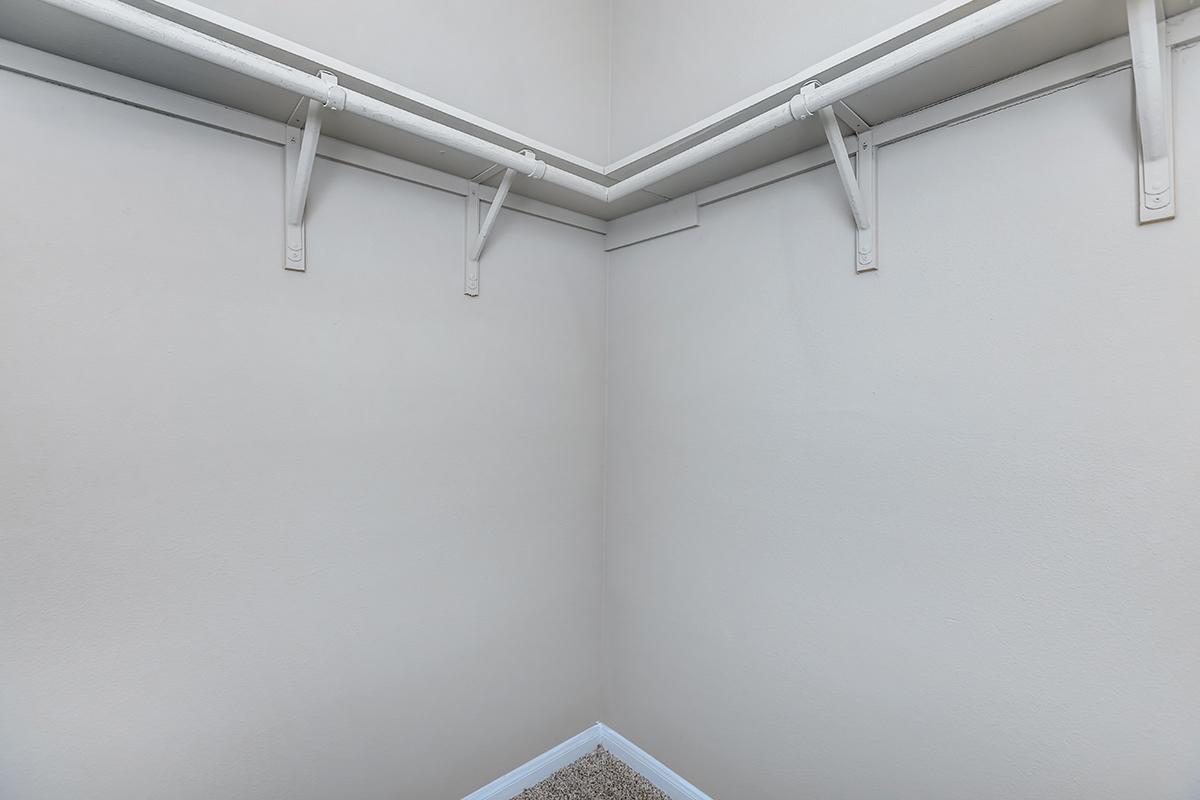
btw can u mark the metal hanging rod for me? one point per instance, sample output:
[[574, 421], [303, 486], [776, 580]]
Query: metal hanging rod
[[178, 37], [145, 25], [988, 20]]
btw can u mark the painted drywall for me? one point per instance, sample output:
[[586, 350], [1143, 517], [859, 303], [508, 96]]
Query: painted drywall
[[675, 62], [538, 67], [930, 532], [267, 534]]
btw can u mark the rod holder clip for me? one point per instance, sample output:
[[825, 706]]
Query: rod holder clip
[[798, 105], [335, 97], [538, 170]]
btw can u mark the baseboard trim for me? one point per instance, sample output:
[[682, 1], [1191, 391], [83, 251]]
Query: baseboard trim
[[541, 767], [658, 773], [554, 759]]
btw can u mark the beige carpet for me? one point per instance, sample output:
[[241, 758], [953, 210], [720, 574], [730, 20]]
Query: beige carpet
[[597, 776]]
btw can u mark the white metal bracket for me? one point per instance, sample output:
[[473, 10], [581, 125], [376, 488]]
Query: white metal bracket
[[478, 233], [849, 116], [300, 154], [1152, 90], [471, 268], [866, 244], [860, 188]]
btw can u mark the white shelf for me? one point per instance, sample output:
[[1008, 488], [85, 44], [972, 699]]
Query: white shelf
[[37, 25], [1067, 28]]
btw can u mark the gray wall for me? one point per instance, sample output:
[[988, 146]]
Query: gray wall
[[274, 535], [932, 532], [929, 533], [675, 62], [539, 67]]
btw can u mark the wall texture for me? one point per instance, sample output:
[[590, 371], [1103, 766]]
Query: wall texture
[[931, 532], [538, 67], [674, 62], [274, 535]]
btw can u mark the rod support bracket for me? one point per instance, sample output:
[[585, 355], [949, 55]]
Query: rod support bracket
[[471, 265], [860, 188], [866, 241], [1152, 87], [300, 153], [477, 231]]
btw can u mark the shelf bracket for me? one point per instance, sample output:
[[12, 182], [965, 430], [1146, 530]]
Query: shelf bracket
[[300, 152], [866, 244], [860, 188], [1152, 91], [477, 233]]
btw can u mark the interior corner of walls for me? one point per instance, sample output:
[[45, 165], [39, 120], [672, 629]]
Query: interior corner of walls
[[540, 767], [672, 216], [608, 110]]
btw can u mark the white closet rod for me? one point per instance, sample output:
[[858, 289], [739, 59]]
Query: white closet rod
[[988, 20], [145, 25], [207, 48]]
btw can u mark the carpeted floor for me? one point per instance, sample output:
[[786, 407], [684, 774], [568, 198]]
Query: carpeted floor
[[597, 776]]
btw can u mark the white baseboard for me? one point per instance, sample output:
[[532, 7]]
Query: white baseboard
[[541, 767], [554, 759], [649, 767]]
